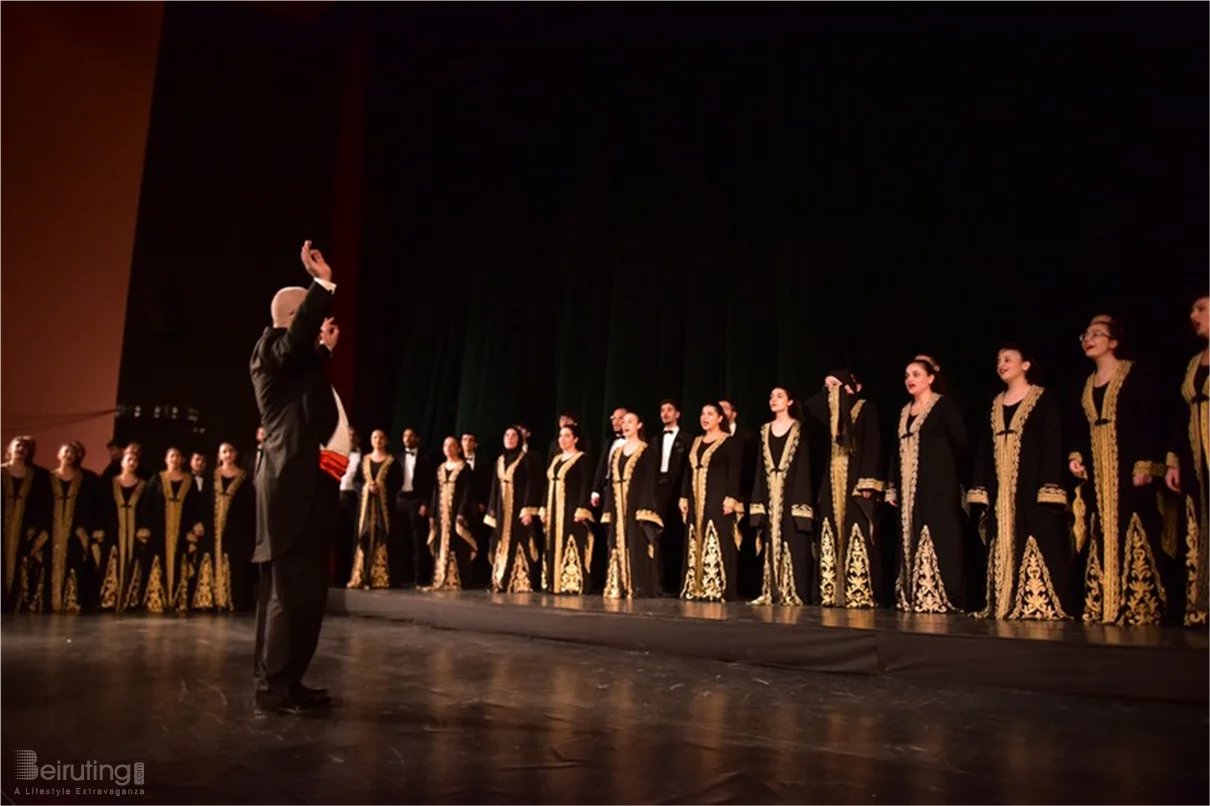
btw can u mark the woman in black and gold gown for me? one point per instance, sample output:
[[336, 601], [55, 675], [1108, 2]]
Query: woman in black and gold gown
[[172, 553], [567, 516], [1187, 460], [1018, 483], [629, 515], [710, 506], [451, 542], [847, 512], [225, 548], [1116, 512], [27, 513], [780, 508], [126, 519], [61, 566], [924, 485], [512, 507], [382, 479]]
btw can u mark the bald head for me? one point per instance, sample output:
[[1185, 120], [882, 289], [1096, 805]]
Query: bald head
[[285, 304]]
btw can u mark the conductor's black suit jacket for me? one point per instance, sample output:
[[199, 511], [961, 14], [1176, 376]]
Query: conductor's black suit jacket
[[298, 412]]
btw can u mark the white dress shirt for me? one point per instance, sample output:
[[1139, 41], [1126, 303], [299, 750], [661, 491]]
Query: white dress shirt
[[470, 460], [197, 482], [409, 470], [669, 436], [731, 428], [346, 481]]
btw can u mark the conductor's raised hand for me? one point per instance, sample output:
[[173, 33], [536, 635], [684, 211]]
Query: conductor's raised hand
[[329, 334], [315, 264]]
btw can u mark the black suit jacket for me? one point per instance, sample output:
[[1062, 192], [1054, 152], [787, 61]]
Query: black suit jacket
[[481, 485], [299, 414], [678, 459], [424, 476]]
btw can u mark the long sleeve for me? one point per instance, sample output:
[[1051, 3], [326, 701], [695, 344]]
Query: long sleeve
[[298, 342], [642, 488], [534, 485], [985, 467], [1051, 489], [491, 517], [893, 480], [801, 495], [599, 478], [1150, 458], [869, 451], [733, 457], [955, 429], [759, 501], [1078, 430], [434, 496], [686, 498], [817, 408], [583, 501]]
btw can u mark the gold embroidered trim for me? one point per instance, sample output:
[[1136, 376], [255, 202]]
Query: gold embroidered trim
[[1195, 607], [737, 507], [15, 500], [489, 522], [873, 485], [859, 583], [778, 574], [1141, 468], [977, 495], [801, 511], [556, 508], [1199, 420], [203, 594], [1172, 461], [63, 516], [1007, 440], [375, 513], [1052, 494], [909, 468], [571, 574], [827, 565], [1079, 526], [1143, 591], [222, 509], [606, 518], [618, 578], [584, 515], [505, 517], [698, 582], [928, 589], [1105, 468], [1094, 604], [1036, 597], [756, 509], [646, 515], [446, 575]]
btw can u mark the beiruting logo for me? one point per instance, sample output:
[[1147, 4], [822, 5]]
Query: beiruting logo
[[25, 768]]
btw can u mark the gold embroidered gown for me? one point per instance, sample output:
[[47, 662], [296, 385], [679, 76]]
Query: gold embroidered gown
[[126, 520], [632, 526], [710, 569], [1120, 523], [567, 560], [172, 553], [848, 522], [450, 539], [27, 514], [1019, 472], [513, 553], [924, 484], [1190, 452], [225, 549], [60, 566], [781, 512], [377, 526]]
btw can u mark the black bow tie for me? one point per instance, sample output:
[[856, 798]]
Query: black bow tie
[[410, 453], [669, 431]]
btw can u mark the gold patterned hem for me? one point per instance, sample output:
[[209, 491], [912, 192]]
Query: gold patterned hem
[[203, 594], [869, 485], [827, 565], [1036, 598], [613, 578], [571, 575], [977, 495], [859, 582], [1142, 589], [928, 594], [706, 559], [1094, 603], [1195, 609], [380, 570], [1052, 494], [155, 601], [647, 516]]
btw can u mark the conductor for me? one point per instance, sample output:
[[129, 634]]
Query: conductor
[[305, 454]]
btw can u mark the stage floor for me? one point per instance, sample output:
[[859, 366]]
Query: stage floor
[[1064, 657], [431, 716]]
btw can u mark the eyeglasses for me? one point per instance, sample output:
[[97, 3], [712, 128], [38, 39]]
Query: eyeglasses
[[1093, 334]]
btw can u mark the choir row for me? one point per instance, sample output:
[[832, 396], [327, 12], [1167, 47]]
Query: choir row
[[676, 516]]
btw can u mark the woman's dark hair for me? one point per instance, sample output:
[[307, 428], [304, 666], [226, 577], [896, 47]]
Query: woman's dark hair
[[1034, 372], [718, 409], [938, 381], [795, 408], [575, 433], [1116, 332], [457, 445]]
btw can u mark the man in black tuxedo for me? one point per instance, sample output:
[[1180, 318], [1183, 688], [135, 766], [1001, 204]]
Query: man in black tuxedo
[[481, 469], [749, 448], [305, 453], [672, 446], [412, 505]]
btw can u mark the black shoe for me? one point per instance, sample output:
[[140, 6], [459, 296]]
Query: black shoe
[[310, 698], [276, 706], [307, 691]]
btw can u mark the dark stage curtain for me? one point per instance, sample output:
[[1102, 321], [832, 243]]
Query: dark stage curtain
[[585, 218]]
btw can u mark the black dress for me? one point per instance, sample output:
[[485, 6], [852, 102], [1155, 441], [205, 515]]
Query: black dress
[[126, 519], [62, 567], [567, 516], [225, 548], [27, 515], [781, 508], [924, 484], [516, 492], [632, 524], [171, 561], [1018, 479], [376, 528], [450, 539], [711, 564], [1190, 451], [1120, 522], [848, 554]]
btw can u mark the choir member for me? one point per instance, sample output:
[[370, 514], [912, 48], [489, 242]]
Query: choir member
[[1116, 507], [924, 485], [781, 505], [566, 419], [1018, 480], [632, 524], [567, 560], [350, 509], [482, 471], [176, 528], [848, 505], [26, 513], [381, 480], [450, 542], [601, 479], [673, 446], [747, 445], [412, 505], [225, 548], [512, 507], [60, 561], [127, 525], [116, 450], [710, 507], [1187, 460]]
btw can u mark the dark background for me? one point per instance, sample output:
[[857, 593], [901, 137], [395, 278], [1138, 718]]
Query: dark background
[[576, 207]]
